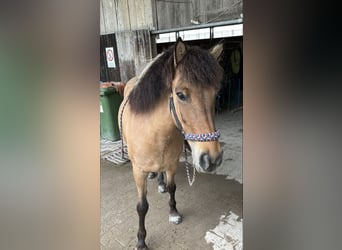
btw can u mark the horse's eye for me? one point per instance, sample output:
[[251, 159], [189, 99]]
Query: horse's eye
[[181, 96]]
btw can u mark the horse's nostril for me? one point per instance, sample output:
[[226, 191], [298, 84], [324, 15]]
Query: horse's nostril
[[218, 160], [205, 161], [208, 164]]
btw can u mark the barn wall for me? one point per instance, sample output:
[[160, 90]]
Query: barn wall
[[125, 15], [109, 74], [132, 20], [134, 52], [179, 13]]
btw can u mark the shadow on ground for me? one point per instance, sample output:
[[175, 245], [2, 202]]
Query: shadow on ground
[[201, 206]]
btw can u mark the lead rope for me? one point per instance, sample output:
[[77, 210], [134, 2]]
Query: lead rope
[[187, 169], [122, 146]]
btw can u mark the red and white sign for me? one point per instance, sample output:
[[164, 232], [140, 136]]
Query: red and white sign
[[110, 57]]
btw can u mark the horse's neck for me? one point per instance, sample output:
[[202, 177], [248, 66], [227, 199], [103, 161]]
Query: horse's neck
[[162, 117]]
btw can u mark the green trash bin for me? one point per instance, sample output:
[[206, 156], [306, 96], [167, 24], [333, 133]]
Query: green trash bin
[[110, 102]]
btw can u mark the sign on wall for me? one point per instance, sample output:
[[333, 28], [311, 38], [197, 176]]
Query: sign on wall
[[110, 57]]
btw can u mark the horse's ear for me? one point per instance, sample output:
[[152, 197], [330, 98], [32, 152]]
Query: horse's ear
[[180, 51], [217, 50]]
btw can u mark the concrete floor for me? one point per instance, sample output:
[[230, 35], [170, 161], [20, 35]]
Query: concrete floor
[[202, 205]]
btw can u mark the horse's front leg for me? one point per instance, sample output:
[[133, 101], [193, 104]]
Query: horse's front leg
[[174, 216], [142, 206]]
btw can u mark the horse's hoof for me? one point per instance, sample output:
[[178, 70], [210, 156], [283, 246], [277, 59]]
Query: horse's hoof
[[141, 248], [162, 188], [151, 175], [175, 219]]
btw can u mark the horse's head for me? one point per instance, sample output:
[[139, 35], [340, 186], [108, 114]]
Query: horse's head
[[194, 88]]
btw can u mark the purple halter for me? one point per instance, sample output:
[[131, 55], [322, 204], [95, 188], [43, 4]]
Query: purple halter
[[211, 136], [202, 137]]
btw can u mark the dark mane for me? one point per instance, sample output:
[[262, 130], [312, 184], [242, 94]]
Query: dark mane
[[153, 84], [197, 67], [200, 68]]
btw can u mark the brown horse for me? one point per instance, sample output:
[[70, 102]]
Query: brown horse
[[171, 101]]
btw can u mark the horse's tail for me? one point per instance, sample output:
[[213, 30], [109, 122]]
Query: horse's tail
[[120, 88]]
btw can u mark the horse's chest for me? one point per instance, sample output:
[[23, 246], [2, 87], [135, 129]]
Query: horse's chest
[[169, 149], [162, 153]]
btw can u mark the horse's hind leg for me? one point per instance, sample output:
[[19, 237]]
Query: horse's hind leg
[[142, 207], [174, 216], [161, 183]]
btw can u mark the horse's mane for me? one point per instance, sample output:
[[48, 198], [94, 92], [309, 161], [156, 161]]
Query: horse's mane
[[196, 67]]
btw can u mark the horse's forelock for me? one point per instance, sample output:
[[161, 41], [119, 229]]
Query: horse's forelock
[[198, 67]]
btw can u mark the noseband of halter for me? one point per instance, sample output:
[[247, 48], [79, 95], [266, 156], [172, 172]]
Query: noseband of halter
[[212, 136]]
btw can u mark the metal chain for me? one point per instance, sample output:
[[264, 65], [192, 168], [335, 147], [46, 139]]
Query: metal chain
[[187, 169]]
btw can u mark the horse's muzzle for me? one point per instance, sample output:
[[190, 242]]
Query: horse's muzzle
[[208, 164]]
